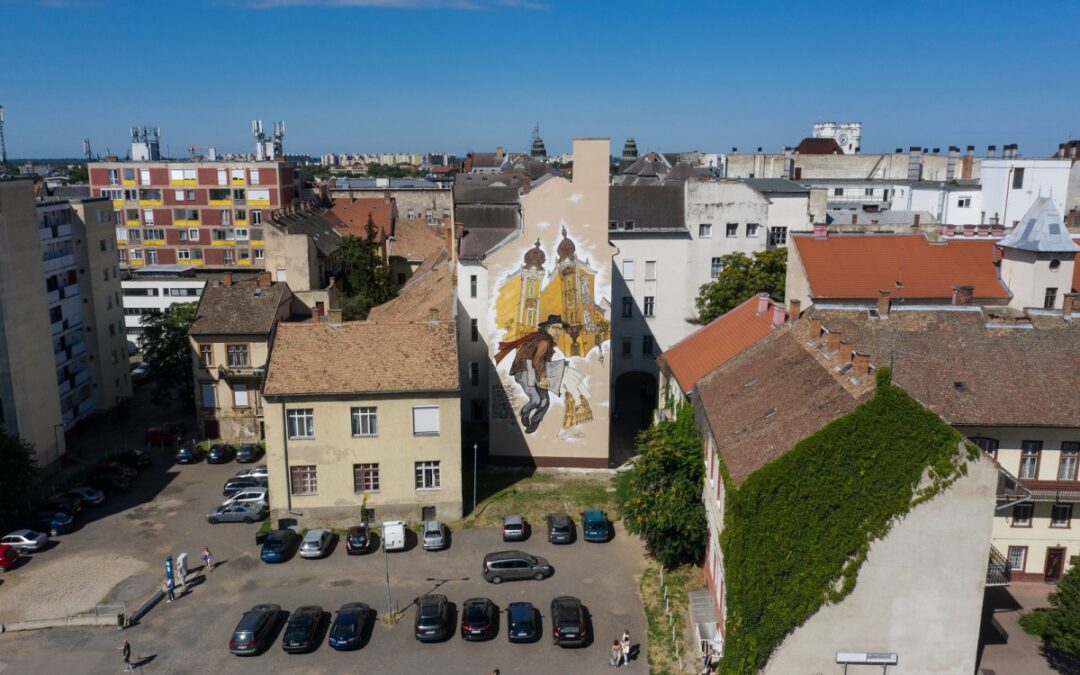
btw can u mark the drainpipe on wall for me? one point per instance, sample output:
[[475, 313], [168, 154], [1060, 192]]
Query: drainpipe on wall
[[285, 439]]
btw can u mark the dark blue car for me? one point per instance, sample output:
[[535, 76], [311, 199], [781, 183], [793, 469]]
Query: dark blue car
[[522, 623], [348, 628], [594, 526], [279, 546], [189, 454], [54, 522]]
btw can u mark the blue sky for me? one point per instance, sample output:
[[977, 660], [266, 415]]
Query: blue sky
[[455, 75]]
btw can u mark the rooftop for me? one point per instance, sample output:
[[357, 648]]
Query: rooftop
[[247, 307], [317, 224], [1041, 230], [819, 146], [383, 184], [350, 215], [776, 186], [650, 207], [429, 291]]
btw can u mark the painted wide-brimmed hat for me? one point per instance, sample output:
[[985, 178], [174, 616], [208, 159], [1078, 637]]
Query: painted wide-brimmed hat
[[552, 320]]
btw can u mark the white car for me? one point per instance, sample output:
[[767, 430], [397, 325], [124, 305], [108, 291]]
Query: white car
[[25, 540], [393, 535], [254, 472], [433, 534], [249, 496], [316, 543]]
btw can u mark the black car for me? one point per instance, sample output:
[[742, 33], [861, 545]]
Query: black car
[[301, 630], [234, 485], [255, 630], [110, 484], [358, 539], [522, 622], [433, 618], [479, 619], [560, 528], [220, 453], [117, 468], [189, 454], [70, 505], [247, 452], [136, 458], [347, 631], [568, 622]]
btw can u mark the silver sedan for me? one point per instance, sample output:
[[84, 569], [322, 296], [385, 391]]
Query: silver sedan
[[25, 540], [244, 512]]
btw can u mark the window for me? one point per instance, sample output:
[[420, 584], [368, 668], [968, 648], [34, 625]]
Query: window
[[112, 177], [154, 233], [254, 176], [626, 346], [1021, 516], [613, 224], [365, 421], [731, 230], [230, 257], [183, 253], [752, 229], [258, 253], [627, 306], [777, 236], [647, 345], [237, 174], [1067, 464], [301, 423], [206, 355], [704, 230], [151, 257], [1050, 298], [650, 305], [472, 286], [144, 176], [650, 270], [365, 477], [258, 195], [134, 235], [715, 267], [148, 216], [209, 397], [425, 420], [628, 269], [240, 396], [838, 192], [242, 234], [474, 330], [222, 177], [963, 202], [256, 217], [1018, 179], [1029, 459], [1017, 558], [868, 192], [628, 225], [474, 373], [238, 356], [428, 476], [1061, 515], [241, 215], [303, 480], [987, 445]]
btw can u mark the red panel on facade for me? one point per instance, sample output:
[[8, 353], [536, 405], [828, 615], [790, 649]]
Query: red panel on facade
[[208, 177], [99, 177], [166, 256], [163, 216], [210, 216], [168, 197], [287, 195], [159, 177], [202, 196], [172, 236], [268, 177], [214, 256], [202, 238], [274, 197]]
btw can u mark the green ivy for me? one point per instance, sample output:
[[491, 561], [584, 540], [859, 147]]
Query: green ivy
[[797, 530]]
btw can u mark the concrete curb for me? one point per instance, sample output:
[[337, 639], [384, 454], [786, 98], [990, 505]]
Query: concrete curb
[[38, 624], [191, 579]]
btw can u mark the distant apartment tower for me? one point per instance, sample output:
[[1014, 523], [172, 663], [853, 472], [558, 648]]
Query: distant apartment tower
[[847, 134], [199, 213]]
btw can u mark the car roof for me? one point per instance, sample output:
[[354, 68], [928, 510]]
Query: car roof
[[477, 601], [513, 520], [593, 513], [308, 609], [432, 525], [559, 517], [506, 555], [315, 535], [354, 607], [432, 599], [520, 610]]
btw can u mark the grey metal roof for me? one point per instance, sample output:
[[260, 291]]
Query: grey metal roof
[[381, 184], [776, 185], [1041, 230], [650, 207]]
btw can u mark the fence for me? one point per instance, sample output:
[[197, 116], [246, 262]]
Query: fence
[[675, 623]]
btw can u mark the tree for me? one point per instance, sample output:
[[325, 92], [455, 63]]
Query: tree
[[1063, 620], [167, 354], [17, 474], [78, 173], [741, 277], [660, 497], [366, 281]]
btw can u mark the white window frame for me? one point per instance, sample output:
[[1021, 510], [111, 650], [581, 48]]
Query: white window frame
[[650, 270], [254, 177], [1023, 558], [183, 253], [364, 416], [241, 396], [144, 177], [753, 232], [300, 423], [427, 475], [425, 420], [628, 270], [193, 234], [222, 177], [308, 482], [704, 230]]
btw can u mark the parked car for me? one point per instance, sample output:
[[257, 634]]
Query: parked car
[[118, 468], [301, 629], [522, 623], [87, 495], [135, 458], [316, 543], [236, 513], [247, 452], [594, 526], [9, 556], [560, 528], [479, 619], [433, 534], [234, 485], [393, 535], [432, 618], [511, 565], [513, 528], [72, 506], [166, 434], [139, 372], [249, 495], [54, 522], [108, 483], [189, 454], [259, 471], [255, 630], [358, 539], [26, 541], [220, 453], [279, 546], [347, 631], [568, 622]]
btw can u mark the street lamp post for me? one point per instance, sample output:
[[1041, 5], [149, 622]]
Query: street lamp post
[[386, 561], [474, 449]]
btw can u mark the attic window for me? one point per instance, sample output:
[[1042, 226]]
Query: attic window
[[750, 382], [959, 386]]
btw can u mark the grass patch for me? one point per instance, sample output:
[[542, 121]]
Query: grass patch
[[534, 495], [1036, 622], [680, 581], [267, 526]]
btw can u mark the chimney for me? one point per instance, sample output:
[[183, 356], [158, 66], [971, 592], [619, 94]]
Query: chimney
[[263, 279], [226, 279], [914, 171], [861, 365], [1067, 304], [813, 328], [762, 303], [968, 163], [1072, 218], [832, 340], [991, 150], [963, 295], [950, 168], [915, 221], [883, 302], [779, 316], [1061, 150], [499, 153], [794, 308], [821, 230], [845, 350]]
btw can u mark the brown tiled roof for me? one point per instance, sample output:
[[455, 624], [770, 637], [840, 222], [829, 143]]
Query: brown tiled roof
[[431, 288], [819, 146], [245, 308], [910, 266], [358, 357], [351, 215], [415, 240], [708, 347]]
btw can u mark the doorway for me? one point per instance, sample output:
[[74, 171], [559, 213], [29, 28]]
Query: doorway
[[212, 429], [1055, 560], [427, 513]]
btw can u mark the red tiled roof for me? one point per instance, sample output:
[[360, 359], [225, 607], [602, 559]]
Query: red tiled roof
[[708, 347], [908, 265], [819, 146], [351, 215]]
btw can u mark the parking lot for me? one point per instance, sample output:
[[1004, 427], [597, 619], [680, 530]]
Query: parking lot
[[117, 554]]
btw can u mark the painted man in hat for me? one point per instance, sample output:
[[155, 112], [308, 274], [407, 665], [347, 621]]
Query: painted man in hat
[[532, 368]]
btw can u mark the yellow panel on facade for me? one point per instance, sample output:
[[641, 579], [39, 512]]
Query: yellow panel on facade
[[222, 242], [220, 202], [121, 242], [149, 202], [153, 242], [185, 181], [136, 263], [127, 182], [258, 242], [240, 221], [186, 223], [119, 203], [258, 202], [243, 261], [238, 181], [134, 223]]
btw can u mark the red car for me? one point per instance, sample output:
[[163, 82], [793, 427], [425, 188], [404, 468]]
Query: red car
[[166, 434], [8, 557]]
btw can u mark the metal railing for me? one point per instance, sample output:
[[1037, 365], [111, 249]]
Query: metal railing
[[998, 572]]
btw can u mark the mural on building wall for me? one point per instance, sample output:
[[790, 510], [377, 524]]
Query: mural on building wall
[[552, 332]]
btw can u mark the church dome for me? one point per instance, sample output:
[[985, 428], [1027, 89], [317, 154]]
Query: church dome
[[534, 257], [566, 248]]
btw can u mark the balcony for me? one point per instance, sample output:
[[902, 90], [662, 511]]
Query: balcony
[[241, 372], [58, 263], [54, 232], [69, 291], [68, 353], [997, 569]]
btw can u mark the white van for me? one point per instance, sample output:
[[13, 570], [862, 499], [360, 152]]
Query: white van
[[249, 496], [393, 534]]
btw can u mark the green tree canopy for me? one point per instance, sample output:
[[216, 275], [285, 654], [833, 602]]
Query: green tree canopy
[[741, 276], [1063, 621], [366, 281], [660, 497], [17, 474], [167, 353]]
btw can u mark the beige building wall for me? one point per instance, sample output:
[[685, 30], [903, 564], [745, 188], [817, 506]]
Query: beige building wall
[[28, 390], [796, 283], [334, 451], [1028, 275], [439, 201], [236, 423], [292, 258], [919, 593]]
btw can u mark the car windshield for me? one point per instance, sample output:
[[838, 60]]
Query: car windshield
[[474, 613], [346, 628], [560, 527], [275, 541], [298, 628]]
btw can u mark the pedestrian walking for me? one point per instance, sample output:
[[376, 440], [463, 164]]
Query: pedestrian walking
[[208, 559], [626, 646], [616, 655], [125, 652], [170, 590]]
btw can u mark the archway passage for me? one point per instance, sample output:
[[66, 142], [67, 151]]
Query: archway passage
[[634, 404]]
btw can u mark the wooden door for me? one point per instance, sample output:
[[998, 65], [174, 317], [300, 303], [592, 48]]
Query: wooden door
[[1055, 560]]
